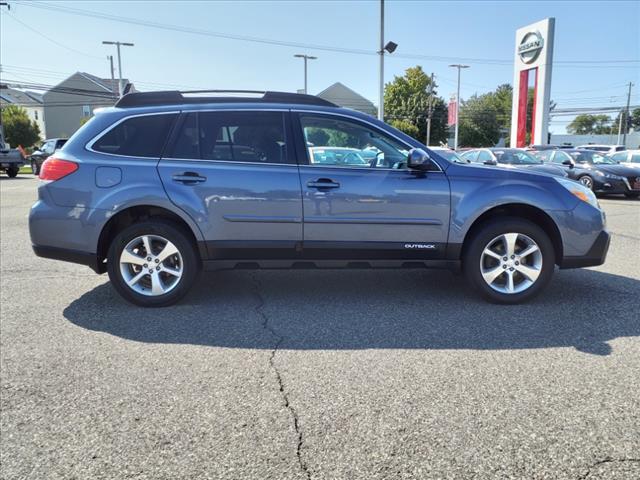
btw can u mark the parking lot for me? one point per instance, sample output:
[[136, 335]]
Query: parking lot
[[318, 374]]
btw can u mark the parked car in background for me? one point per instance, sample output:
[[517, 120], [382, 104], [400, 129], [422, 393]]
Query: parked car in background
[[511, 158], [449, 154], [539, 148], [603, 148], [48, 147], [629, 158], [598, 172], [167, 183], [10, 158]]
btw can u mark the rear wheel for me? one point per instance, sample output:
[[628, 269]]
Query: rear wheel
[[13, 172], [34, 167], [152, 264], [509, 260]]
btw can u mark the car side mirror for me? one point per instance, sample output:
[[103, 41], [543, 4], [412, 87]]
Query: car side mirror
[[418, 159], [490, 162], [569, 163]]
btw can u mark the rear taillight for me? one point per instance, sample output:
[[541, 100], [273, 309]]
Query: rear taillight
[[54, 169]]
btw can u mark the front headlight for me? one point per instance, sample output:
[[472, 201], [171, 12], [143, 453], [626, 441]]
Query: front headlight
[[579, 190]]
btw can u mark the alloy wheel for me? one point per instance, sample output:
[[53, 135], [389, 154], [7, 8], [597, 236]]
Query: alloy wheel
[[511, 263], [151, 265], [587, 182]]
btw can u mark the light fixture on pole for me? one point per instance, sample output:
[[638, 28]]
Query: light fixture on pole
[[459, 67], [306, 58], [389, 47], [118, 44]]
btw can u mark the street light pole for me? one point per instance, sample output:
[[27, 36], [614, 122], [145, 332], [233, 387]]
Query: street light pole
[[459, 67], [305, 57], [118, 44], [381, 52], [626, 116]]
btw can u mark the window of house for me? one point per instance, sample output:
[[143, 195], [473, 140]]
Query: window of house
[[142, 136], [86, 110]]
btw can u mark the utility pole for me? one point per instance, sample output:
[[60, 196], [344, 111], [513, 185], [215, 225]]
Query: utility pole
[[626, 115], [429, 111], [459, 67], [118, 44], [619, 126], [110, 58], [389, 47], [305, 57], [381, 73]]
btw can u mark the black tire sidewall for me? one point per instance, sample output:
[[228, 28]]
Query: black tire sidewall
[[12, 172], [173, 233], [471, 260], [589, 177]]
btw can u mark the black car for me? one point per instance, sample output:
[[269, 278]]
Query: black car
[[511, 158], [600, 173], [45, 150]]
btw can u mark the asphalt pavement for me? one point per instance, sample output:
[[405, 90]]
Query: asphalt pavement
[[317, 374]]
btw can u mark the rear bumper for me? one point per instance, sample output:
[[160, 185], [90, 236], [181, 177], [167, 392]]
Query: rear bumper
[[66, 255], [595, 256]]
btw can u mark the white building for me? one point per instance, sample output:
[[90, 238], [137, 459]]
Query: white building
[[30, 101]]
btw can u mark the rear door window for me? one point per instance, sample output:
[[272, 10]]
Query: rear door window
[[253, 137], [142, 136]]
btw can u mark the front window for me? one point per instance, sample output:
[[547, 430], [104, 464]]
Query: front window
[[561, 157], [545, 155], [451, 155], [515, 157], [342, 143], [591, 156]]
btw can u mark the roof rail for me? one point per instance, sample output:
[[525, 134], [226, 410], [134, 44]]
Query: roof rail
[[175, 97]]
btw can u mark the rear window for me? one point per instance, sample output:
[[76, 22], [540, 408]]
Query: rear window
[[137, 137]]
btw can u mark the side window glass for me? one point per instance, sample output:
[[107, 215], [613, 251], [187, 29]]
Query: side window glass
[[343, 143], [619, 157], [233, 136], [545, 155], [471, 155], [635, 158], [137, 137], [484, 156], [560, 157]]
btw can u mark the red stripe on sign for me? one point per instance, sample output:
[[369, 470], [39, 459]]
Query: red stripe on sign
[[535, 100], [523, 88]]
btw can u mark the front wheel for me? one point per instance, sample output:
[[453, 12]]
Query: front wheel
[[13, 172], [152, 264], [587, 181], [34, 167], [509, 260]]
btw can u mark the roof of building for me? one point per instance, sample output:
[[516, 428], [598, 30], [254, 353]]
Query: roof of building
[[18, 97], [342, 95]]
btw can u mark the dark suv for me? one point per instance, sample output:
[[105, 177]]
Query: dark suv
[[165, 183], [45, 150]]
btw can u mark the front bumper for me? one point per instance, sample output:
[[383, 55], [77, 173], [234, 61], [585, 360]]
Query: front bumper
[[595, 256], [607, 185]]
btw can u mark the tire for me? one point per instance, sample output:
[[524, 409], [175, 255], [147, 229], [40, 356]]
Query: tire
[[13, 172], [632, 195], [587, 181], [34, 167], [493, 236], [185, 261]]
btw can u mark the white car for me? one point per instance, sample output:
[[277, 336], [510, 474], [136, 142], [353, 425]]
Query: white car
[[628, 158], [605, 149]]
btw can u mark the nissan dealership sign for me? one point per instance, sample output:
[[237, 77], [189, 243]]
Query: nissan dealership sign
[[530, 47]]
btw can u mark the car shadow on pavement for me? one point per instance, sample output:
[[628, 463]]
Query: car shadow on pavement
[[371, 309]]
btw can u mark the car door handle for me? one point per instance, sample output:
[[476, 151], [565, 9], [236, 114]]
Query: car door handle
[[323, 183], [188, 178]]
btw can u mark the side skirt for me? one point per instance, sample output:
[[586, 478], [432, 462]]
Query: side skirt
[[453, 265]]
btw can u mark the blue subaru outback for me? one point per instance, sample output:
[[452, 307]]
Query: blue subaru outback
[[166, 183]]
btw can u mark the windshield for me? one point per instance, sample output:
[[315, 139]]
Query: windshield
[[516, 157], [589, 156], [451, 156]]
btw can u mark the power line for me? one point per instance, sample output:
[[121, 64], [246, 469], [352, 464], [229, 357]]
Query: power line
[[246, 38]]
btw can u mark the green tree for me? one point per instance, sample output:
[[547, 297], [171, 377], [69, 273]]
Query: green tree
[[635, 118], [633, 122], [406, 127], [18, 129], [479, 124], [407, 98], [587, 124]]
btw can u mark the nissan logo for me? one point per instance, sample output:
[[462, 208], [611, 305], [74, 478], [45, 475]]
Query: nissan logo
[[530, 47]]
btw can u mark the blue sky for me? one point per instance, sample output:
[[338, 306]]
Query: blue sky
[[593, 31]]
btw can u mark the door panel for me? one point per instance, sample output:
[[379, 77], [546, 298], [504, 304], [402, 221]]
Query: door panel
[[246, 208], [358, 198]]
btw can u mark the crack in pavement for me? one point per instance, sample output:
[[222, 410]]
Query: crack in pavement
[[605, 461], [285, 396]]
